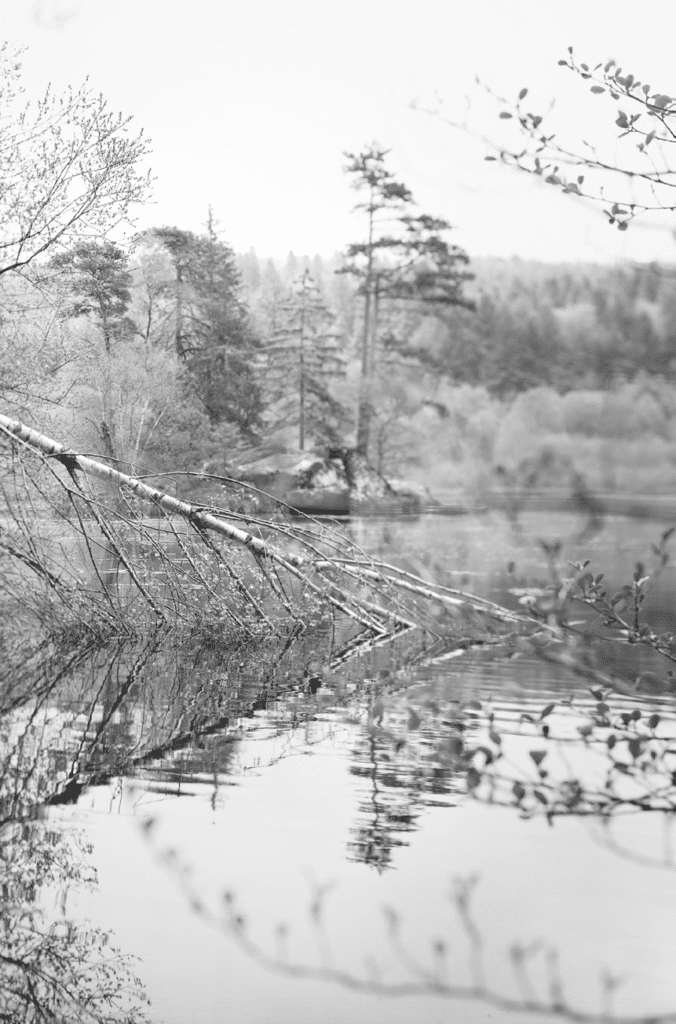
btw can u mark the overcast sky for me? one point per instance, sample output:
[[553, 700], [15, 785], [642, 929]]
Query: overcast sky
[[250, 104]]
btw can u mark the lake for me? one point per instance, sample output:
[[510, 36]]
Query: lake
[[279, 836]]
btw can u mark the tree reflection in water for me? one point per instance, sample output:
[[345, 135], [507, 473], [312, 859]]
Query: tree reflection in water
[[167, 718], [568, 751], [52, 967], [68, 721]]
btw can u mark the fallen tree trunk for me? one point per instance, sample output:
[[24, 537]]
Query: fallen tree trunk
[[369, 615], [74, 462], [332, 571]]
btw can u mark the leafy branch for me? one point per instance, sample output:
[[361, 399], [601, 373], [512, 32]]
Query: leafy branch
[[647, 118]]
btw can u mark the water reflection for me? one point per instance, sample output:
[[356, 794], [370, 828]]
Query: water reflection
[[53, 967], [485, 555], [415, 735]]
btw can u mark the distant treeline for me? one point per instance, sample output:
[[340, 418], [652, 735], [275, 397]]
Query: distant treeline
[[175, 353], [563, 325]]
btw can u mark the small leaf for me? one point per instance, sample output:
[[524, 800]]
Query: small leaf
[[538, 756], [597, 89], [547, 711], [653, 721], [495, 737], [611, 741], [518, 791], [504, 114], [473, 779], [635, 747], [540, 796], [474, 704]]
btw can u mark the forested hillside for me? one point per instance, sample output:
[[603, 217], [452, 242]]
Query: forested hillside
[[176, 353], [165, 352]]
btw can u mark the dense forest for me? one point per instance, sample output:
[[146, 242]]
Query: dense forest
[[165, 351], [169, 352], [176, 353]]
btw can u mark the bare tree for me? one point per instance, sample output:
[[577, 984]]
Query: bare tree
[[69, 168]]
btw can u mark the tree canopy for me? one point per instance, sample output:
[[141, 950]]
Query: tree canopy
[[404, 258]]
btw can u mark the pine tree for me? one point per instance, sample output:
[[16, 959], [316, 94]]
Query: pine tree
[[299, 362], [98, 283], [213, 333], [405, 259], [98, 278]]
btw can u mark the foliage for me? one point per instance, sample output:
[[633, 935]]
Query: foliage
[[55, 969], [212, 332], [645, 120], [97, 275], [38, 355], [135, 398], [299, 362], [69, 168], [52, 967], [404, 259]]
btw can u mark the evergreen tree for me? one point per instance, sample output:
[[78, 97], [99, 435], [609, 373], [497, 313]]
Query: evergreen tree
[[213, 334], [98, 283], [299, 362], [99, 280], [405, 258]]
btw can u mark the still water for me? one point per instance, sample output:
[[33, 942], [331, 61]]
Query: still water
[[279, 841]]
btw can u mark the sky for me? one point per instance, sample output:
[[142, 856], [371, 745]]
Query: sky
[[251, 104]]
